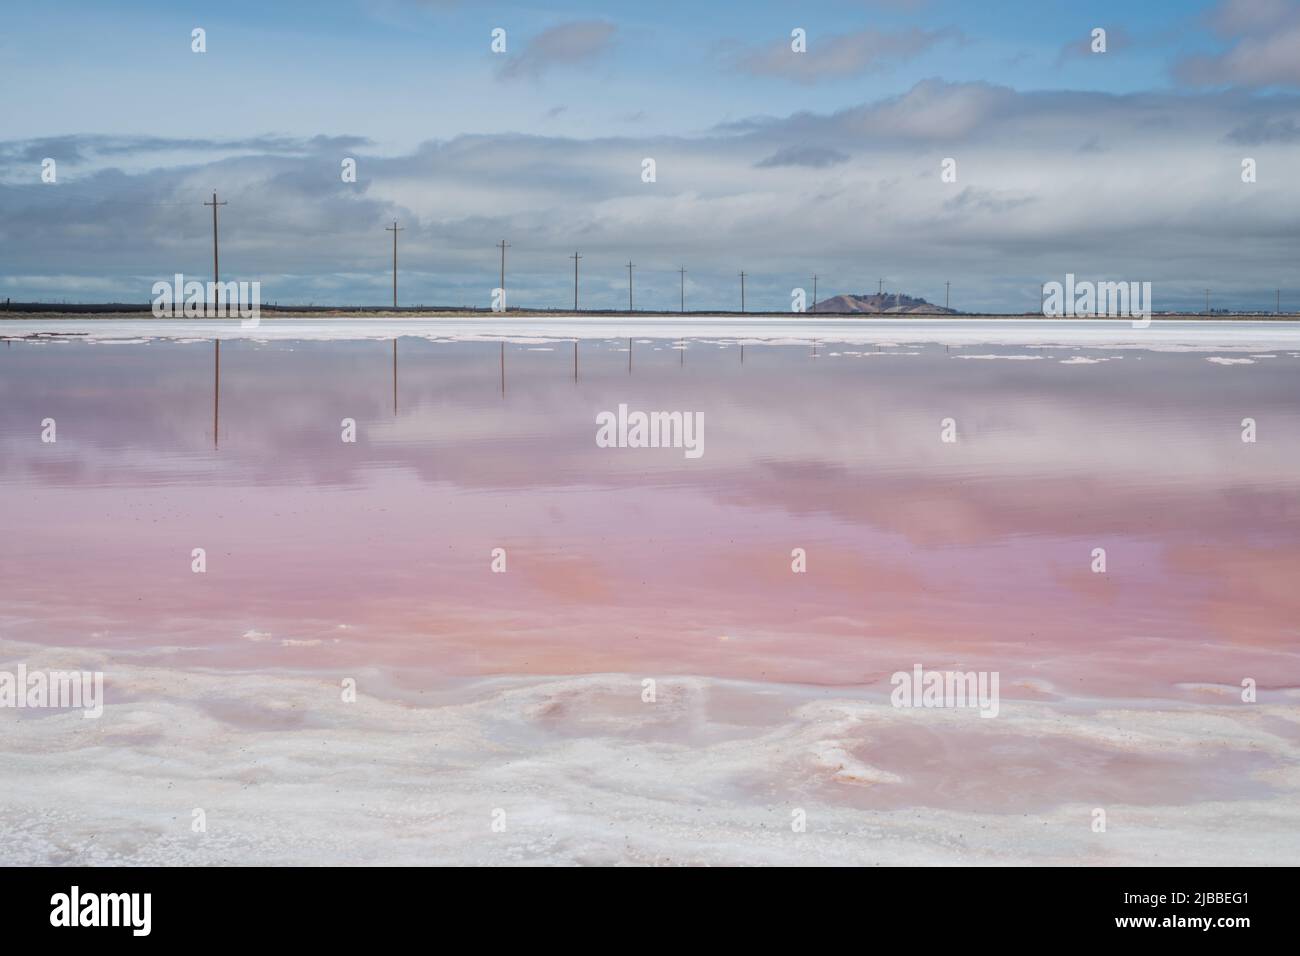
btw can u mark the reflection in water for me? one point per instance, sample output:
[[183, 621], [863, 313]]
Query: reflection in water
[[966, 550], [374, 557]]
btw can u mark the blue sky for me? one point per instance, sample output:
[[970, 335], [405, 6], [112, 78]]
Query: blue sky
[[400, 70], [1124, 164]]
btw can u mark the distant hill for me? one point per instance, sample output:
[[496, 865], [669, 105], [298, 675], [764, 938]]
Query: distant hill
[[887, 303]]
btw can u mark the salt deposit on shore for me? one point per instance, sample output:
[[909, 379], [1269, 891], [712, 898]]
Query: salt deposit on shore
[[286, 772], [1161, 335]]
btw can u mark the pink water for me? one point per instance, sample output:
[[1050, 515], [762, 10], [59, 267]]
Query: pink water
[[976, 553], [329, 558]]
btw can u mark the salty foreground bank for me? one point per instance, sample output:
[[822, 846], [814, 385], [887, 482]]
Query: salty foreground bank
[[582, 770]]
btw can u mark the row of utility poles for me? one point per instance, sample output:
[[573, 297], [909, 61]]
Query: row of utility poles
[[576, 258], [503, 246], [1277, 308]]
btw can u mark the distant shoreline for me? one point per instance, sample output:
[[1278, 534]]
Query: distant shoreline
[[28, 311]]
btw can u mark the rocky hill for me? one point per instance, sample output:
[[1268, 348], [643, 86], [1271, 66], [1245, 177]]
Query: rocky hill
[[888, 303]]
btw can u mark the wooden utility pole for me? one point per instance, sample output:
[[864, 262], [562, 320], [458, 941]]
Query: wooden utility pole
[[394, 229], [880, 289], [742, 291], [216, 271], [575, 257], [945, 294], [814, 304], [629, 285], [682, 270], [503, 246]]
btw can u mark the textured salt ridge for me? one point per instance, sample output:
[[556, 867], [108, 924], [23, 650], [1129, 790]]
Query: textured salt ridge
[[587, 773]]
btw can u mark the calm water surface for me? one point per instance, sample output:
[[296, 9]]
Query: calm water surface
[[323, 554]]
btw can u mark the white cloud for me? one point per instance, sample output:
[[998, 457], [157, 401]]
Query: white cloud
[[1156, 196], [840, 55], [568, 44], [1263, 51]]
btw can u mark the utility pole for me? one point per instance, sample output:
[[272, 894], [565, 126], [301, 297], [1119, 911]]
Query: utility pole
[[945, 294], [394, 229], [682, 270], [742, 291], [1207, 301], [216, 272], [629, 285], [575, 257], [504, 246], [880, 289], [814, 305], [1279, 301]]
